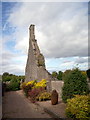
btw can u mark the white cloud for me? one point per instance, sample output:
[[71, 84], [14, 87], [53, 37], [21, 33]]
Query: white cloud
[[14, 69], [12, 62], [61, 31], [62, 64], [81, 60], [22, 46]]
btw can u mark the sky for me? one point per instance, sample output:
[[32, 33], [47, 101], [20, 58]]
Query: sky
[[61, 30]]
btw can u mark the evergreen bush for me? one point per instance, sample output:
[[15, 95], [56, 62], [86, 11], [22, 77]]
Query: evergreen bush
[[75, 83]]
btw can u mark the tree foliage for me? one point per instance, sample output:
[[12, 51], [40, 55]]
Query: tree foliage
[[59, 76], [5, 74], [12, 81], [54, 74], [74, 83], [65, 74], [88, 73]]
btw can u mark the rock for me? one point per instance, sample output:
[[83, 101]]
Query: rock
[[54, 97]]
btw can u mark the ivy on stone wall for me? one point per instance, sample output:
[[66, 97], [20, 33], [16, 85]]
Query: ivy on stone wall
[[41, 61]]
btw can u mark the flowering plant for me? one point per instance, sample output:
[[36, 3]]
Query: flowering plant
[[44, 96], [78, 107], [33, 88], [34, 93], [33, 82], [42, 83]]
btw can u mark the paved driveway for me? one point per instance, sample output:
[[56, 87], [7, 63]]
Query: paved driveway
[[16, 105]]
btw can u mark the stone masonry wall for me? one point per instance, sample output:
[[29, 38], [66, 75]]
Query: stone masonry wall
[[35, 67], [57, 85]]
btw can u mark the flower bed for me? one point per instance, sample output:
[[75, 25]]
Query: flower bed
[[36, 90]]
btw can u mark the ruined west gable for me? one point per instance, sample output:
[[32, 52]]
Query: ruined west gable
[[35, 67]]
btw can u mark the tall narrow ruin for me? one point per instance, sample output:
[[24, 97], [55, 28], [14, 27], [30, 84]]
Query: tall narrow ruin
[[35, 67]]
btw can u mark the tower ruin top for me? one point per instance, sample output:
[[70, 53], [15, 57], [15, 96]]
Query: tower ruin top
[[32, 31]]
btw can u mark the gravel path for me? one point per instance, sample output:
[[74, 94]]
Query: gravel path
[[16, 105]]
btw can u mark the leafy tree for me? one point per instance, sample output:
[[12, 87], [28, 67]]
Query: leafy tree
[[59, 76], [75, 83], [88, 73], [54, 74], [14, 83], [21, 78], [10, 74], [65, 74], [6, 77], [5, 74]]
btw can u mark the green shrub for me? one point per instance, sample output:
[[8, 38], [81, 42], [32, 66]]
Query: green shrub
[[13, 86], [44, 96], [6, 78], [59, 76], [9, 77], [78, 107], [74, 83]]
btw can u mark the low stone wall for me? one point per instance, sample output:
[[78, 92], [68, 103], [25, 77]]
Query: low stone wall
[[57, 85]]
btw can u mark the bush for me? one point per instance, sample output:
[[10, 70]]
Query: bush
[[74, 83], [26, 87], [44, 96], [34, 93], [13, 86], [33, 88], [21, 78], [78, 107], [6, 78]]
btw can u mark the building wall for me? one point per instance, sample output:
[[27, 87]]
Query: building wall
[[57, 85], [33, 70]]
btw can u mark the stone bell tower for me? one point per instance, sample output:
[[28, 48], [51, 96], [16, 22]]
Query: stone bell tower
[[35, 67]]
